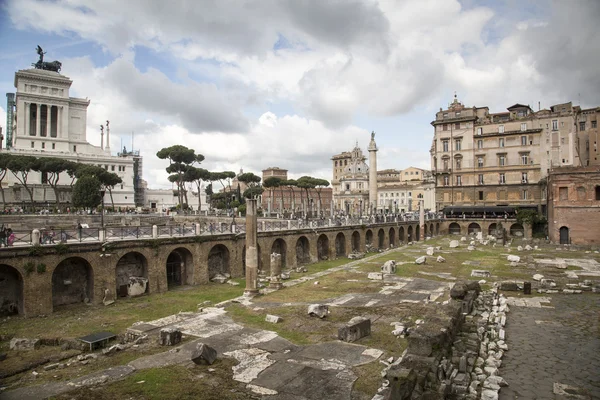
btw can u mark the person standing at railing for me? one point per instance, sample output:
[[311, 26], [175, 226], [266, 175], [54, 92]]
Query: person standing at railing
[[10, 237], [3, 236], [79, 230]]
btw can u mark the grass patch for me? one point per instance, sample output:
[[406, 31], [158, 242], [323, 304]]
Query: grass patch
[[369, 379], [80, 319]]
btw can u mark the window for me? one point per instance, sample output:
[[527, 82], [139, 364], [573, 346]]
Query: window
[[523, 127], [480, 144], [480, 195], [594, 124], [74, 149], [523, 140], [53, 146], [524, 195], [501, 142], [523, 177], [43, 145], [480, 162], [502, 161], [500, 128], [347, 186], [409, 194], [457, 144], [444, 146], [458, 163], [446, 164], [457, 125], [554, 124], [480, 131], [445, 116], [457, 114], [582, 126], [112, 167], [121, 186], [597, 192], [524, 159], [502, 179], [480, 180], [335, 164], [32, 145], [563, 193], [123, 168], [562, 140], [445, 127], [458, 180]]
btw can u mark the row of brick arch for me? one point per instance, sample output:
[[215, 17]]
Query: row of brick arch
[[87, 278], [454, 228]]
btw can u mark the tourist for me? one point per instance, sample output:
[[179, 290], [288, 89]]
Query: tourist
[[10, 237], [79, 230], [3, 236]]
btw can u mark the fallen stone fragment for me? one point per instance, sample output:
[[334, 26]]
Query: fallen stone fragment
[[440, 259], [538, 277], [458, 291], [528, 247], [169, 336], [375, 276], [285, 275], [218, 278], [421, 260], [203, 354], [470, 247], [454, 244], [513, 258], [389, 267], [481, 273], [356, 328], [429, 251], [19, 344], [318, 310], [274, 319]]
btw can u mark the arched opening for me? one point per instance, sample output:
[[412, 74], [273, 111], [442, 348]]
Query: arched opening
[[425, 230], [11, 291], [401, 234], [244, 261], [492, 229], [454, 229], [323, 247], [302, 251], [72, 282], [409, 233], [417, 233], [380, 239], [131, 275], [437, 228], [218, 261], [392, 234], [473, 228], [431, 231], [369, 237], [517, 230], [340, 245], [355, 242], [280, 247], [564, 235]]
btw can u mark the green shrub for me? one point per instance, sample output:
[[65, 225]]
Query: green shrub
[[41, 268], [29, 267]]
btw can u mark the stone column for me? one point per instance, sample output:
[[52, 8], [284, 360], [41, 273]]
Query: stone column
[[332, 209], [422, 219], [48, 113], [276, 272], [269, 206], [38, 120], [27, 119], [251, 249], [372, 174]]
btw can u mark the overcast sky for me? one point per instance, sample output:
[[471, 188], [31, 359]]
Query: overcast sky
[[288, 83]]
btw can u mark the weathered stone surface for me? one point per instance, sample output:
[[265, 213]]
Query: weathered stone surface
[[318, 310], [203, 354], [481, 273], [169, 336], [548, 283], [389, 267], [218, 278], [285, 275], [375, 276], [509, 286], [19, 344], [459, 290], [538, 277], [421, 260], [440, 259], [528, 247], [402, 381], [137, 286], [429, 251], [519, 248], [273, 318], [470, 247], [357, 328], [513, 258], [454, 244]]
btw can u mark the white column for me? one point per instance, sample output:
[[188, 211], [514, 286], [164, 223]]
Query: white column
[[48, 113], [27, 119], [38, 120]]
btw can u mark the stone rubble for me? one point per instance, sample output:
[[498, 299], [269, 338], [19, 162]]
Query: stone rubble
[[389, 267], [318, 310], [421, 260]]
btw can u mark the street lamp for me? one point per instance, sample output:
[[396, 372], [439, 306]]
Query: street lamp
[[102, 192]]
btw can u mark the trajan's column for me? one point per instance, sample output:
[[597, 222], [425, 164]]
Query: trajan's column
[[372, 174]]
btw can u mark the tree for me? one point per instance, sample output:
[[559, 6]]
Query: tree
[[319, 185], [272, 183], [53, 167], [180, 159], [108, 180], [197, 175], [291, 184], [306, 183], [86, 192], [4, 160], [21, 166], [252, 181]]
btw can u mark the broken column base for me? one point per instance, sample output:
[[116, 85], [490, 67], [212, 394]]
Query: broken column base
[[276, 284]]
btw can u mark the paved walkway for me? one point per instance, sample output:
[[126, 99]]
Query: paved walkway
[[552, 344]]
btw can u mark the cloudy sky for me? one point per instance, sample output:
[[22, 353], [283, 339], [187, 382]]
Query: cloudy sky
[[288, 83]]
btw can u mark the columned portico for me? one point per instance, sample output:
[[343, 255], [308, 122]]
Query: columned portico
[[38, 120]]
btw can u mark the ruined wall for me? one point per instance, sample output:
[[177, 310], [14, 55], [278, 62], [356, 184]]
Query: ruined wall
[[130, 265], [11, 291], [72, 282]]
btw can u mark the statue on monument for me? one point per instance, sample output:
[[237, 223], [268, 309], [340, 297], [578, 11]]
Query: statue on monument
[[48, 66], [372, 135]]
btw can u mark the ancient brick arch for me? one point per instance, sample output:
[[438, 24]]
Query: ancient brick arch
[[11, 291], [280, 247], [425, 230], [409, 234], [392, 235], [302, 251], [431, 230], [473, 227], [417, 233], [355, 241], [218, 261], [492, 228], [130, 265], [340, 245], [517, 230], [454, 228], [323, 247], [380, 239], [72, 282], [401, 234], [369, 237]]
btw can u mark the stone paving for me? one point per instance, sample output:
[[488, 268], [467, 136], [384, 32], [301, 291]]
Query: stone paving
[[552, 343]]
